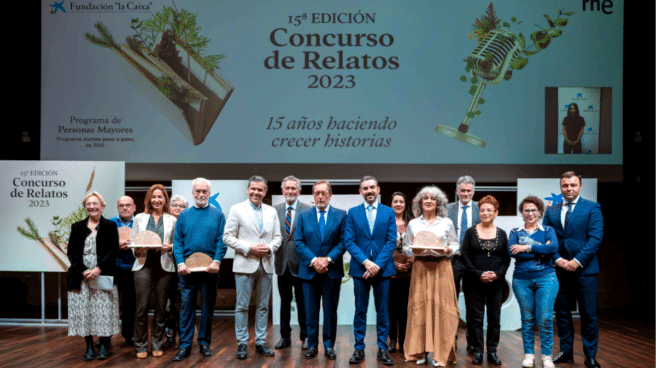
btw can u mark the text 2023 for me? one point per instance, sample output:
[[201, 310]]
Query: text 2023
[[326, 81]]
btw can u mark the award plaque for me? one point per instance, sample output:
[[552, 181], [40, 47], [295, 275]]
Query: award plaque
[[198, 262], [146, 239], [124, 233], [427, 240]]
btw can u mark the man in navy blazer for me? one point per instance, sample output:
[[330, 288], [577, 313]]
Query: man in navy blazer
[[370, 238], [464, 214], [320, 248], [579, 226]]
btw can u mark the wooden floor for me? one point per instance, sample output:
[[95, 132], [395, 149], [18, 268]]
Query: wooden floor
[[622, 343]]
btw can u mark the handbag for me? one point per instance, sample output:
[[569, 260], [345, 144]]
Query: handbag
[[102, 283]]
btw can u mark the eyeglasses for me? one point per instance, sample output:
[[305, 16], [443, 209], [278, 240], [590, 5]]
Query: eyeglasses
[[124, 205], [178, 206]]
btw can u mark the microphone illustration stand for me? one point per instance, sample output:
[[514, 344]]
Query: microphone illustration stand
[[489, 61]]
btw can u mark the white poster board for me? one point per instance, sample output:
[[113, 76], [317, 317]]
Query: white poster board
[[40, 202]]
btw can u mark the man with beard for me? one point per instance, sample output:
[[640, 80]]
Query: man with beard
[[370, 238], [287, 261], [198, 229], [253, 231]]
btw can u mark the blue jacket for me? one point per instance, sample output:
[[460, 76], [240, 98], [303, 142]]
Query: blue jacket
[[310, 245], [377, 247], [582, 238], [537, 263]]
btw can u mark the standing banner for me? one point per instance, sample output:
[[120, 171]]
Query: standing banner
[[41, 200]]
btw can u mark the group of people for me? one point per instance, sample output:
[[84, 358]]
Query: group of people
[[418, 251]]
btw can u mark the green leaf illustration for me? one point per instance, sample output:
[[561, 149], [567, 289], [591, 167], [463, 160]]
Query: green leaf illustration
[[519, 63]]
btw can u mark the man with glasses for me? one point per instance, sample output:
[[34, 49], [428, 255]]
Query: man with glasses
[[123, 273]]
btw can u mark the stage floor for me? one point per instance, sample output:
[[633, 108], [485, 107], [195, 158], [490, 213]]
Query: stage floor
[[622, 343]]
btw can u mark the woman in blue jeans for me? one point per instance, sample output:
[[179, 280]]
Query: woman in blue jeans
[[534, 281]]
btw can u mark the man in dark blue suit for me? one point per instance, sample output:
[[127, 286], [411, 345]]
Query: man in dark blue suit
[[579, 226], [464, 214], [370, 238], [320, 249]]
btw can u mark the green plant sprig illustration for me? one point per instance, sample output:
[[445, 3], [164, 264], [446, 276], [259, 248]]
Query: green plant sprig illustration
[[173, 28], [541, 40]]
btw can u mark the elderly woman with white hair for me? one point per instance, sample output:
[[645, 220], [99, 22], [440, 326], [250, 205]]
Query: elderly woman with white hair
[[92, 248], [433, 312]]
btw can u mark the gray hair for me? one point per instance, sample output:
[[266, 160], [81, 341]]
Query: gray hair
[[465, 180], [201, 181], [435, 193], [258, 179], [368, 177], [178, 197], [291, 178]]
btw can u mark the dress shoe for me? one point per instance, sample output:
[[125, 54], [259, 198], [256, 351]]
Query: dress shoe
[[283, 343], [306, 344], [242, 352], [330, 353], [310, 353], [591, 363], [182, 354], [264, 350], [157, 353], [384, 357], [493, 359], [477, 359], [90, 354], [562, 357], [470, 349], [401, 351], [392, 346], [170, 342], [205, 350], [357, 357]]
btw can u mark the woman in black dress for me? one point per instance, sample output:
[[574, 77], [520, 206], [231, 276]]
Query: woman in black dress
[[484, 253]]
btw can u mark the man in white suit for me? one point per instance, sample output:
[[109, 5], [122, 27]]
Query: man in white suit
[[253, 231]]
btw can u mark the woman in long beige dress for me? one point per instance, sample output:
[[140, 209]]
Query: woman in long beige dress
[[433, 312]]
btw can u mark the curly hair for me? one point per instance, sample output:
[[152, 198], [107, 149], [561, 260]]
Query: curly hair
[[437, 194], [488, 199]]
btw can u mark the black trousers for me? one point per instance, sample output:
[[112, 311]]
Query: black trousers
[[125, 283], [398, 309], [286, 283], [484, 296], [568, 148]]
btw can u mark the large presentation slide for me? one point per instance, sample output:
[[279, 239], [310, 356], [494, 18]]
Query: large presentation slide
[[368, 82], [40, 202]]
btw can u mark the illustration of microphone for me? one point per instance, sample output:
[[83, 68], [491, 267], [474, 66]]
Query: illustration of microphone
[[490, 62]]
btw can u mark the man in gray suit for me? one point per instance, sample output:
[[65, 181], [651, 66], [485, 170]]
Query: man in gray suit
[[253, 231], [287, 263], [464, 214]]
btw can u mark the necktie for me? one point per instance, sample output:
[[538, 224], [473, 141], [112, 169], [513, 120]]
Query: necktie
[[288, 221], [370, 217], [322, 223], [568, 213], [463, 223]]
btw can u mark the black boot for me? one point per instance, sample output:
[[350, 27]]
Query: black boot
[[103, 353], [90, 354]]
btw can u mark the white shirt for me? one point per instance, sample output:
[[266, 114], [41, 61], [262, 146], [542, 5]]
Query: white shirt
[[442, 227], [319, 213], [565, 208]]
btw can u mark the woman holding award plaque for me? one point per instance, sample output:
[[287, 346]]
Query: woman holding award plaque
[[92, 295], [485, 255], [433, 313], [153, 268]]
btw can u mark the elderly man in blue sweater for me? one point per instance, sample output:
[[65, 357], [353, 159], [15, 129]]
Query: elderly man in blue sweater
[[198, 229]]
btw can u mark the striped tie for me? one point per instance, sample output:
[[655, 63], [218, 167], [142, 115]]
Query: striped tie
[[288, 221]]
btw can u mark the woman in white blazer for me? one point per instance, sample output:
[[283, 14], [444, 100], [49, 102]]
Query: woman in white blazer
[[153, 268]]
